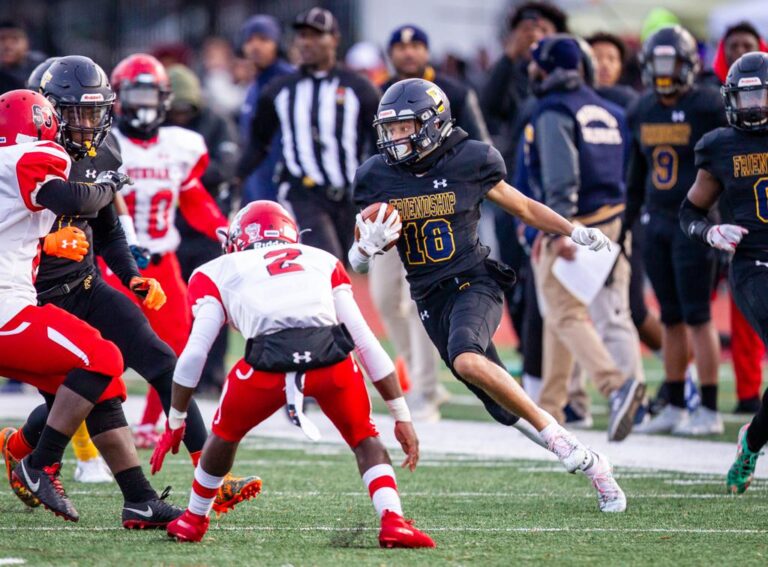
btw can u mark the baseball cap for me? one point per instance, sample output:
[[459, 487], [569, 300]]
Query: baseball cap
[[408, 33], [262, 25], [318, 19]]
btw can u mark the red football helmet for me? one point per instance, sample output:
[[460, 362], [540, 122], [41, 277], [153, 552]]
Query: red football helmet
[[26, 116], [143, 91], [259, 221]]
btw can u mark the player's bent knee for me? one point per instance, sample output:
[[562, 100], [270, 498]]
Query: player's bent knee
[[469, 366], [106, 416], [87, 384]]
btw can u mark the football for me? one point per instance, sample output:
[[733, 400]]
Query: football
[[370, 213]]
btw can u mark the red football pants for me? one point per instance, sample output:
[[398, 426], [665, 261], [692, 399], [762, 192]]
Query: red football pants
[[250, 397], [40, 345], [748, 351]]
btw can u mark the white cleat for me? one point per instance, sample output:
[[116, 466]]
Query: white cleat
[[669, 419], [572, 453], [93, 471], [703, 421], [610, 496]]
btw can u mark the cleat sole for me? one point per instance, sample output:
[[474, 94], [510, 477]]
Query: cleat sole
[[250, 491]]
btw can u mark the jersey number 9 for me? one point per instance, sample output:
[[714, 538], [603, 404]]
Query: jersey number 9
[[664, 173]]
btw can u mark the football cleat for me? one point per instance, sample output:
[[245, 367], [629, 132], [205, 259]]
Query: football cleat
[[93, 471], [396, 531], [572, 453], [669, 418], [188, 527], [234, 490], [702, 421], [152, 514], [145, 435], [610, 496], [743, 468], [624, 403], [44, 484], [10, 463]]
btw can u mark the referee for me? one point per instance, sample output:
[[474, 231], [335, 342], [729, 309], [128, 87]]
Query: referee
[[326, 115]]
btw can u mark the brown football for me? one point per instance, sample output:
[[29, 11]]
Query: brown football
[[370, 213]]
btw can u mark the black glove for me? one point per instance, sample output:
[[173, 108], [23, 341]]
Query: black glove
[[114, 178], [141, 255]]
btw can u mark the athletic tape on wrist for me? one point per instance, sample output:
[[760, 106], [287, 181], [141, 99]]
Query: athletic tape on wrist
[[176, 418], [399, 409]]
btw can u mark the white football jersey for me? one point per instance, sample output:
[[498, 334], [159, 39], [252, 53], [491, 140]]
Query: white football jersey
[[161, 169], [265, 290], [24, 168]]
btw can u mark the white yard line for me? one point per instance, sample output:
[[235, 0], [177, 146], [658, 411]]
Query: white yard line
[[455, 439]]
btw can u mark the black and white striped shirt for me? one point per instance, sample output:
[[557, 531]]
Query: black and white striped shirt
[[326, 121]]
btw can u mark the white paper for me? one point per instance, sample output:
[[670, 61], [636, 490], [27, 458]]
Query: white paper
[[585, 275]]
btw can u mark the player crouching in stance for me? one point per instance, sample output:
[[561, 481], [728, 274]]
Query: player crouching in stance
[[436, 178], [294, 304], [732, 167]]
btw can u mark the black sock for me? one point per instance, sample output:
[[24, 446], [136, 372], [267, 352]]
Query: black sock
[[757, 434], [134, 485], [676, 394], [709, 397], [49, 449], [35, 424]]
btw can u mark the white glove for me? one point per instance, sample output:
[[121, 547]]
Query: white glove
[[375, 235], [725, 236], [115, 178], [591, 237]]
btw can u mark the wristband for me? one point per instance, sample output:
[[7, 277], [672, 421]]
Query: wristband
[[358, 260], [176, 418], [399, 409], [128, 228]]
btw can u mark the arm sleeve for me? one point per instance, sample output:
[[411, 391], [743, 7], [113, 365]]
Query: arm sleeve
[[110, 244], [264, 125], [209, 319], [559, 158], [637, 171], [492, 171], [200, 210], [368, 349], [72, 198]]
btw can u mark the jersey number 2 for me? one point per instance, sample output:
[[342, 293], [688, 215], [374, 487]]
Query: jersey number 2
[[433, 241], [283, 261]]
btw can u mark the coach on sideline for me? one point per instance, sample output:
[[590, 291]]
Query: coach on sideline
[[325, 114], [575, 161]]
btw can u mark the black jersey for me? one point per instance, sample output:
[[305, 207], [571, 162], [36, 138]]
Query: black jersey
[[665, 137], [739, 161], [439, 209], [102, 229]]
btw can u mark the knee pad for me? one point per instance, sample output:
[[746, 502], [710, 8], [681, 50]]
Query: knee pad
[[88, 384], [106, 416]]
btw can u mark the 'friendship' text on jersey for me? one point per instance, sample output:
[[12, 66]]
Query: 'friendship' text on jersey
[[747, 165], [425, 206]]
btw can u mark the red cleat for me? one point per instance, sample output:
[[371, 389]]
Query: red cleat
[[188, 527], [396, 531]]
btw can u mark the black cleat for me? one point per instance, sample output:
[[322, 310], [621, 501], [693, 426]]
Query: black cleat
[[150, 515], [45, 485]]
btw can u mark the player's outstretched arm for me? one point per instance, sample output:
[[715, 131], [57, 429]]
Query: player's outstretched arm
[[693, 215], [540, 216], [209, 318]]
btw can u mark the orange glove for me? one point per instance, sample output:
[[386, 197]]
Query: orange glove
[[69, 242], [149, 290]]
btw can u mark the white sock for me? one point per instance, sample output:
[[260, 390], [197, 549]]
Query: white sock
[[550, 431], [382, 487], [204, 489]]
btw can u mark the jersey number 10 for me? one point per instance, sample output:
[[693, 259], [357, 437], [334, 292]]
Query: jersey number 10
[[432, 241]]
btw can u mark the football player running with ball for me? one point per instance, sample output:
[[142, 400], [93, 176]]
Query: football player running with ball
[[436, 178], [301, 325], [732, 166]]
